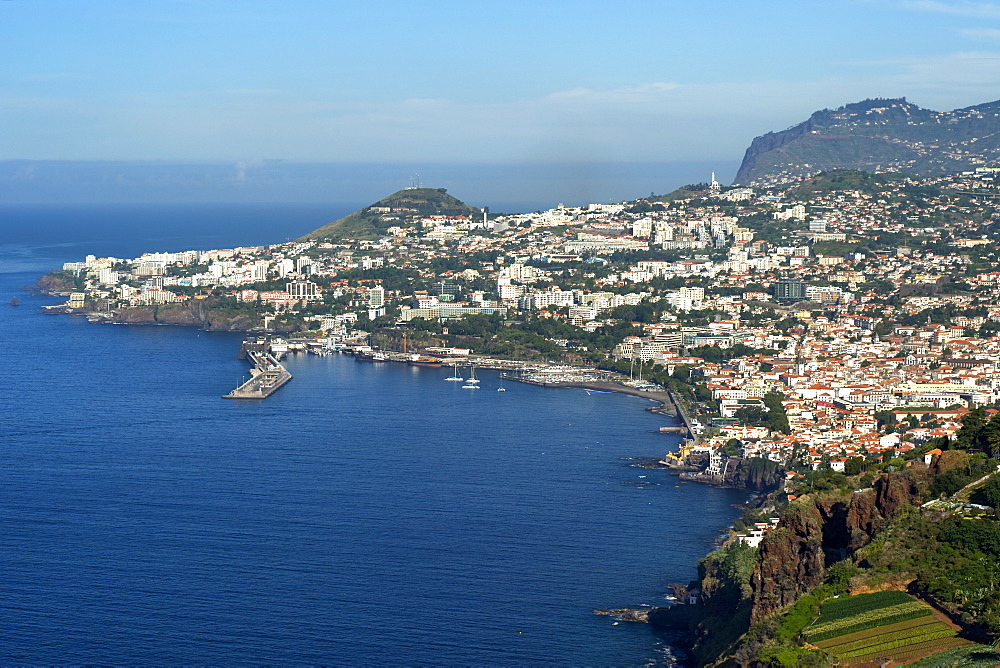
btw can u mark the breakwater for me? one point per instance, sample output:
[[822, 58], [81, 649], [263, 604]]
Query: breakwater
[[266, 377]]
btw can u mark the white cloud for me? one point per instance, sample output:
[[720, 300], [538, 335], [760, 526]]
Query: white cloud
[[991, 34], [960, 8], [655, 87], [954, 80], [645, 89]]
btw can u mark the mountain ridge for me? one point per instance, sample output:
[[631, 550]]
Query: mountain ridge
[[876, 135]]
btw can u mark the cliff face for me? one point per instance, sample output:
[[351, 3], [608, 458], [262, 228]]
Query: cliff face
[[51, 284], [760, 146], [756, 474], [791, 560], [818, 531]]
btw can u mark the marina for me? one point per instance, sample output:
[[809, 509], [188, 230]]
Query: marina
[[268, 375]]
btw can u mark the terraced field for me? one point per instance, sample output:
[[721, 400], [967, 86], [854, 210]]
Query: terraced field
[[885, 626], [969, 656]]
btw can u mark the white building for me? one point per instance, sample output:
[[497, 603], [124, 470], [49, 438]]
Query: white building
[[376, 297], [306, 290]]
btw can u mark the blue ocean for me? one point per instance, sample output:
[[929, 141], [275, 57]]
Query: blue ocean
[[364, 514]]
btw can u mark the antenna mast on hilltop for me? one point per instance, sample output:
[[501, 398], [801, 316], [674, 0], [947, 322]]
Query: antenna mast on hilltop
[[414, 181]]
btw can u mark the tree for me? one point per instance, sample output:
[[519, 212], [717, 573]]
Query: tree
[[853, 466], [749, 415], [885, 419], [732, 448], [777, 418], [988, 494]]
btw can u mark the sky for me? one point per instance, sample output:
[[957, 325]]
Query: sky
[[426, 82]]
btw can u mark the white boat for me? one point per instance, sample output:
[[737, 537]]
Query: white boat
[[470, 387], [454, 375], [472, 380]]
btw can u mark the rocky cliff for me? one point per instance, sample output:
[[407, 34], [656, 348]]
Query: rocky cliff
[[742, 587], [756, 474], [53, 283], [196, 313], [820, 530]]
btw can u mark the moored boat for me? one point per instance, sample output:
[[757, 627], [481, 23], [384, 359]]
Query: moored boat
[[425, 361]]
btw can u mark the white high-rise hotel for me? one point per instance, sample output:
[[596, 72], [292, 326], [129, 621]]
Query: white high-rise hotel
[[376, 297]]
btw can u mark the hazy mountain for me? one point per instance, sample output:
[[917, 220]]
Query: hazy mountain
[[877, 135]]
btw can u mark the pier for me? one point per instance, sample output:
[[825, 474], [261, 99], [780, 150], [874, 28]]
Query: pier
[[267, 376], [681, 415]]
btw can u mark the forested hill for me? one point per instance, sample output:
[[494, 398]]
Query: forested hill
[[405, 208], [877, 135]]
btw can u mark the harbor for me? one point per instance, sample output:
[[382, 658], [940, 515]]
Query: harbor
[[268, 376], [542, 374]]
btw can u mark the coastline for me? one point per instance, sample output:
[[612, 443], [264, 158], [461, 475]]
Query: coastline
[[662, 397], [669, 405]]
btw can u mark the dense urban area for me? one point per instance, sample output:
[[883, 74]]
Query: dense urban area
[[834, 341]]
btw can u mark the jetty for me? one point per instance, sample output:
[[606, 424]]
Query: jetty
[[681, 414], [266, 376]]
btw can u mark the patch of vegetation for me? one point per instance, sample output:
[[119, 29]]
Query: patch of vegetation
[[726, 574], [842, 608], [970, 656], [833, 180], [954, 559], [689, 191]]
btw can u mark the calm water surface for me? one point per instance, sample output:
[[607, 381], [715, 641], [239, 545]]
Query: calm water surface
[[363, 514]]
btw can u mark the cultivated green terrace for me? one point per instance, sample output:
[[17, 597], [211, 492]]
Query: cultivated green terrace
[[403, 209]]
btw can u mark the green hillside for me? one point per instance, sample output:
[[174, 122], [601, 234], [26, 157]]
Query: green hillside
[[404, 208]]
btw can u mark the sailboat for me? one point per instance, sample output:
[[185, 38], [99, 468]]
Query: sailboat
[[471, 383], [454, 375], [501, 388]]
